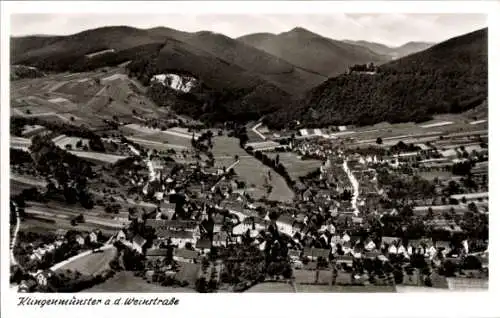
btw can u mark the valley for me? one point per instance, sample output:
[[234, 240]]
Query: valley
[[157, 160]]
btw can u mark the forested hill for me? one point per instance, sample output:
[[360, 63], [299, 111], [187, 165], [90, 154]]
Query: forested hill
[[313, 52], [449, 77]]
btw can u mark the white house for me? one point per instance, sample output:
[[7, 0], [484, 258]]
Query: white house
[[80, 240], [285, 224], [346, 238], [138, 242], [430, 251], [262, 246], [393, 249], [121, 236], [465, 245], [182, 240], [93, 237], [370, 245], [410, 250]]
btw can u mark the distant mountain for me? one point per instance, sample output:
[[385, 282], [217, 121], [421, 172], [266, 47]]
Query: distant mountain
[[378, 48], [49, 49], [449, 77], [269, 67], [238, 81], [313, 52], [412, 47], [393, 52], [61, 53], [246, 78]]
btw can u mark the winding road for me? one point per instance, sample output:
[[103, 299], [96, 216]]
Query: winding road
[[224, 177], [13, 260], [254, 129], [355, 187]]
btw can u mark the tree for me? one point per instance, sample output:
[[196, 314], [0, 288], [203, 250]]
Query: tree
[[201, 285], [471, 263], [430, 213], [472, 207], [379, 141], [80, 218], [448, 269]]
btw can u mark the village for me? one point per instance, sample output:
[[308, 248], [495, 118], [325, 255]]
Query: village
[[250, 209]]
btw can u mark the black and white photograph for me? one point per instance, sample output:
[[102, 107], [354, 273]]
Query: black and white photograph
[[174, 153], [169, 160]]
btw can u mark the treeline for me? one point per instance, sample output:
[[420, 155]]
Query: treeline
[[77, 61], [21, 71], [95, 143]]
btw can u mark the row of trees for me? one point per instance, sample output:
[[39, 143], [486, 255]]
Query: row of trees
[[274, 164], [70, 171], [95, 143]]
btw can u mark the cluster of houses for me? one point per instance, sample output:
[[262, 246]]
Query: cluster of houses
[[40, 250]]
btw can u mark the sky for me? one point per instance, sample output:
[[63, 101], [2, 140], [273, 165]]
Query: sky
[[390, 29]]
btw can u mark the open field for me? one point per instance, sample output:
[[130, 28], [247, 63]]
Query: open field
[[91, 264], [251, 170], [80, 98], [160, 146], [62, 214], [28, 181], [255, 173], [98, 156], [39, 226], [271, 287], [30, 131], [188, 272], [153, 136], [344, 289], [294, 165], [435, 174], [227, 146], [63, 140], [126, 282], [16, 187], [417, 133], [20, 143]]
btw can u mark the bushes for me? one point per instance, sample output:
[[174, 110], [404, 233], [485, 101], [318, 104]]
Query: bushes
[[72, 282]]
